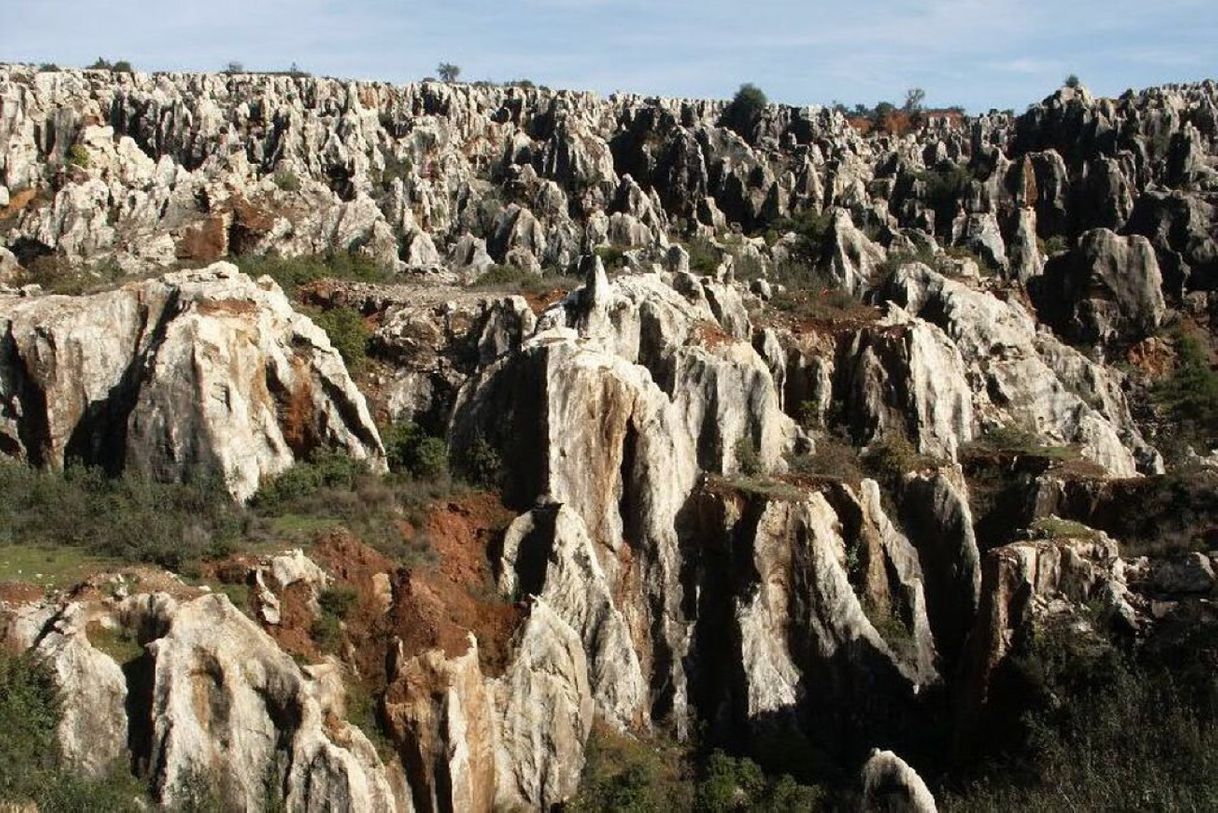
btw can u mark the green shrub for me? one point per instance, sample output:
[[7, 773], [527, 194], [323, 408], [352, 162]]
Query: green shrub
[[411, 450], [730, 783], [611, 256], [745, 110], [1189, 396], [327, 470], [78, 156], [332, 491], [338, 600], [481, 463], [748, 461], [291, 273], [129, 517], [1054, 245], [704, 256], [1104, 731], [31, 767], [502, 276], [834, 457], [336, 604], [347, 332], [1016, 439], [58, 275], [286, 180], [623, 773]]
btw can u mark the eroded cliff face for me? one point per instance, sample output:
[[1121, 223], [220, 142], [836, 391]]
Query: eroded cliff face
[[191, 373], [682, 550]]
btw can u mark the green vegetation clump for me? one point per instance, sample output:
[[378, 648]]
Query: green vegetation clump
[[292, 273], [745, 110], [1058, 528], [1103, 730], [1053, 245], [944, 187], [32, 768], [336, 604], [78, 156], [748, 460], [60, 276], [130, 518], [481, 463], [332, 490], [834, 457], [347, 332], [1189, 396], [409, 449], [1013, 439], [624, 773], [521, 280], [121, 66], [286, 180]]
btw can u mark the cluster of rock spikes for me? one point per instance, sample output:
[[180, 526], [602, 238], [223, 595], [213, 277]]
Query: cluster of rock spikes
[[691, 542]]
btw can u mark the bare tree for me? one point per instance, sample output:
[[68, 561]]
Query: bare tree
[[448, 72], [914, 97]]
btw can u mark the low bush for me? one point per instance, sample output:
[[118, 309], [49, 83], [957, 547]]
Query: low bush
[[1105, 731], [292, 273], [129, 517], [522, 281], [31, 766], [409, 449], [834, 457], [481, 463], [286, 180], [1018, 440], [748, 460], [346, 331], [78, 155], [745, 110], [1189, 396], [60, 276]]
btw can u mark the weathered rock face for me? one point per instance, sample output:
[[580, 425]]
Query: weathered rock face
[[1022, 377], [1026, 584], [891, 785], [192, 373], [1108, 289], [667, 569], [809, 602], [212, 702]]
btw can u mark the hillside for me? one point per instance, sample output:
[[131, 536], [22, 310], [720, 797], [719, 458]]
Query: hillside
[[472, 447]]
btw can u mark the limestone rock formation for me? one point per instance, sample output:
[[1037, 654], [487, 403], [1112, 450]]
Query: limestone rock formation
[[192, 373], [891, 785]]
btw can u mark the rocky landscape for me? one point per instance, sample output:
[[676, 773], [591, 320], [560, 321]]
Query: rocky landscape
[[823, 453]]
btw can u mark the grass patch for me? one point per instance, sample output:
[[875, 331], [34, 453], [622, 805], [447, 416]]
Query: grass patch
[[1103, 730], [58, 275], [1058, 528], [286, 180], [346, 331], [512, 279], [119, 644], [49, 566], [625, 773]]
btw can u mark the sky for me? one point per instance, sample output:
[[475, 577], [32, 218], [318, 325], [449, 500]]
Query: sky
[[980, 54]]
